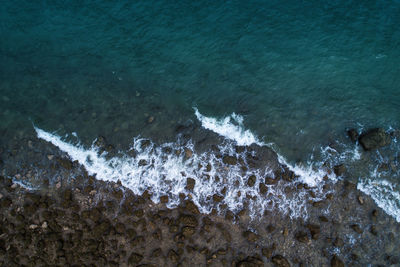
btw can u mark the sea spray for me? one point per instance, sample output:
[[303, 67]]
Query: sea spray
[[166, 173]]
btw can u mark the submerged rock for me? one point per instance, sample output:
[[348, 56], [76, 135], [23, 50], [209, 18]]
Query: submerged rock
[[374, 138], [353, 134], [339, 170], [229, 160], [190, 183]]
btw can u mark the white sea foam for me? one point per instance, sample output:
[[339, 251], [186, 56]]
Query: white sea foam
[[230, 127], [385, 194], [165, 173], [237, 133]]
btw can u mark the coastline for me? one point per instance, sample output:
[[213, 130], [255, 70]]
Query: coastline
[[354, 231]]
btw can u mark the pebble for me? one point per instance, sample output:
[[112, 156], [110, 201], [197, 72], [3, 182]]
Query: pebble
[[50, 157], [14, 185], [44, 225], [361, 200]]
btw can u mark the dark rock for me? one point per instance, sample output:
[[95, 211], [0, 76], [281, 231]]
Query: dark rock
[[263, 188], [280, 261], [263, 156], [374, 138], [134, 259], [120, 228], [353, 134], [229, 160], [191, 207], [336, 262], [142, 162], [356, 228], [250, 236], [188, 231], [190, 183], [270, 181], [101, 229], [302, 237], [188, 220], [314, 230], [338, 242], [100, 142], [267, 252], [373, 230], [251, 181], [287, 175], [164, 199], [270, 228], [218, 198], [173, 256], [339, 170], [65, 163], [250, 262]]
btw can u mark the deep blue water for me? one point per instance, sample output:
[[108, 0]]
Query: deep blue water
[[300, 72]]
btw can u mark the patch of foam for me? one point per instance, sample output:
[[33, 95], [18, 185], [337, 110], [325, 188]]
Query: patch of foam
[[230, 127], [385, 194], [237, 133], [165, 173], [309, 175]]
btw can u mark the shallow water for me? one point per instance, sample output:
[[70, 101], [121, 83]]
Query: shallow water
[[299, 73]]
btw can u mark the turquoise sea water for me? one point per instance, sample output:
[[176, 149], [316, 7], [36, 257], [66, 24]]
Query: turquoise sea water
[[299, 72]]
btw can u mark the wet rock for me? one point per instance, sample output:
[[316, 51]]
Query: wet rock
[[190, 183], [218, 198], [287, 174], [250, 236], [336, 262], [270, 181], [263, 188], [353, 134], [314, 230], [374, 139], [65, 163], [373, 230], [250, 262], [191, 207], [173, 256], [302, 237], [134, 259], [188, 220], [142, 162], [270, 228], [261, 156], [164, 199], [251, 181], [188, 153], [120, 228], [101, 229], [267, 252], [280, 261], [339, 170], [100, 142], [338, 242], [229, 160], [356, 228], [188, 231]]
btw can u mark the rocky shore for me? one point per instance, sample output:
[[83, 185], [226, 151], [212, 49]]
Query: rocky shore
[[77, 220]]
